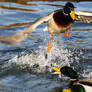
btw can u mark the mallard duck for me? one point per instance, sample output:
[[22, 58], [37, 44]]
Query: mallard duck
[[74, 88], [76, 84], [59, 21]]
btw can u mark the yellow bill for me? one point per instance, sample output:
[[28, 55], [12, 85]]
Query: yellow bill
[[57, 70], [67, 90], [72, 14]]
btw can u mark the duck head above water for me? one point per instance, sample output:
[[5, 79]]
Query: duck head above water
[[69, 10], [67, 71]]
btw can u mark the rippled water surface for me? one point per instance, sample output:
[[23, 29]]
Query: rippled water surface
[[27, 66]]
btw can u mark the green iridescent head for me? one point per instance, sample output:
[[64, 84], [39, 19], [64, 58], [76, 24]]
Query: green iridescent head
[[77, 88], [67, 71], [69, 9]]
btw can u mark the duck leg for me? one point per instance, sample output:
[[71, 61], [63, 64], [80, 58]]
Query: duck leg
[[49, 43]]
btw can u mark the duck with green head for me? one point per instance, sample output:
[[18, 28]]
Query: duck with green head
[[74, 88], [76, 85], [59, 21]]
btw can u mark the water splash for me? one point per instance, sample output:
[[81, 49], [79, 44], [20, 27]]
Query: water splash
[[40, 61]]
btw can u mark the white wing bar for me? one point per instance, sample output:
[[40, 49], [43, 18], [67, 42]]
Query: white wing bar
[[84, 13]]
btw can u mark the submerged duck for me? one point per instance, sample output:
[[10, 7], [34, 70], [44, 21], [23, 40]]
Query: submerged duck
[[59, 21], [76, 84]]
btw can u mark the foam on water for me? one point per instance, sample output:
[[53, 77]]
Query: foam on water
[[40, 60]]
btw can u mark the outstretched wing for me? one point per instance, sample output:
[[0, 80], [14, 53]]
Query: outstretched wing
[[83, 16], [14, 39]]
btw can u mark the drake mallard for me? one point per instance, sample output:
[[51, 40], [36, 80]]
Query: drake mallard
[[76, 84], [59, 21], [74, 88]]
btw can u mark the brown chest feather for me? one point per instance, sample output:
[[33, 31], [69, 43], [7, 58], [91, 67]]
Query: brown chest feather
[[62, 20]]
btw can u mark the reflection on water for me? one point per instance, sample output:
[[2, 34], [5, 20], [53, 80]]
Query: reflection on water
[[15, 24], [27, 66], [25, 1], [14, 8]]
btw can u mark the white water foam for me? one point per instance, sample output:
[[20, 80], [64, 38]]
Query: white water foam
[[58, 56], [40, 61]]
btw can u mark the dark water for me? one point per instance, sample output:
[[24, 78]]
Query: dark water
[[27, 66]]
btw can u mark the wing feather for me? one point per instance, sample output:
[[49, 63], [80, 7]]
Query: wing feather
[[14, 39], [83, 16]]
